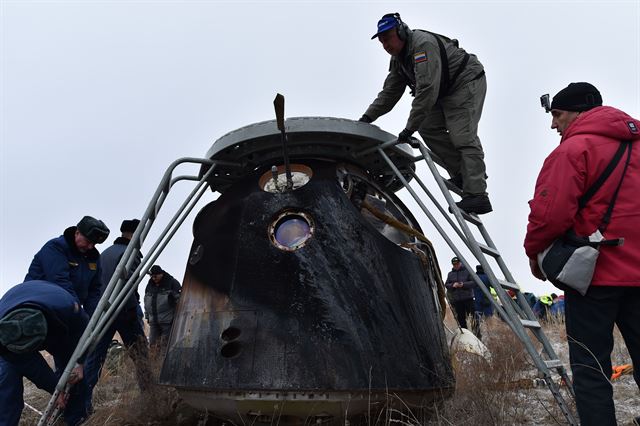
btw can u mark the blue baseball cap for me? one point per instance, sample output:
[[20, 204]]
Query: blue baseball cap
[[385, 24]]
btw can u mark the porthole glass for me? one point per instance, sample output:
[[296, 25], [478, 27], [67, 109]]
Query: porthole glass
[[291, 230]]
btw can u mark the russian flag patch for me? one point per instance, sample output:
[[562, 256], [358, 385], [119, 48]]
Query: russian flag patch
[[420, 57]]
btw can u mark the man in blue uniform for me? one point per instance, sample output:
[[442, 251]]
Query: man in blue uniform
[[72, 262], [128, 323], [35, 316]]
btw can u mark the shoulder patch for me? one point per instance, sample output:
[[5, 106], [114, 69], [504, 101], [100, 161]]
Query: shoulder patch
[[420, 57], [632, 127]]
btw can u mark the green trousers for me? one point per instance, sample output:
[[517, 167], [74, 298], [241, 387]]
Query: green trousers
[[451, 132]]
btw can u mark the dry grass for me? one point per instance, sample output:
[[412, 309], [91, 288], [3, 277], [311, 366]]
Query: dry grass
[[496, 392], [118, 400], [501, 391]]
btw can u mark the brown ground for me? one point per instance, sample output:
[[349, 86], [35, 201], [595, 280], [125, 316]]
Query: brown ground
[[485, 392]]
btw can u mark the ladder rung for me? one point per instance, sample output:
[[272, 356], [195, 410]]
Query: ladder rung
[[530, 323], [451, 187], [488, 250], [553, 363], [471, 218], [508, 285]]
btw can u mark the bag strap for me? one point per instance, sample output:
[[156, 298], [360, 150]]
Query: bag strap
[[447, 82], [607, 216], [444, 62], [605, 174]]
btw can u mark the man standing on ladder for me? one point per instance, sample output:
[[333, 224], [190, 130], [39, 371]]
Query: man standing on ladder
[[591, 135], [449, 87]]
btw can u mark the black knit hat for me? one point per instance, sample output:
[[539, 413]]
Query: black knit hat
[[129, 225], [155, 269], [93, 229], [577, 97]]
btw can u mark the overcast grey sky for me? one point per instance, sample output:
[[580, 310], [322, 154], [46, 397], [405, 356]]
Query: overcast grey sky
[[99, 97]]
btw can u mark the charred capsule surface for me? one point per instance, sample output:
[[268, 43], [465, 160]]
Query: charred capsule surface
[[308, 294]]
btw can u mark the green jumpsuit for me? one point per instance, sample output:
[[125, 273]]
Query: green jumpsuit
[[445, 115]]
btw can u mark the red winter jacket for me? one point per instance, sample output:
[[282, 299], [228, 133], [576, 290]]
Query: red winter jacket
[[587, 147]]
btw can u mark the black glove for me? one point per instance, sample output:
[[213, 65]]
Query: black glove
[[365, 119], [405, 135]]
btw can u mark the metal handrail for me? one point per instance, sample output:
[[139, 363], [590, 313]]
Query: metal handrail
[[118, 291]]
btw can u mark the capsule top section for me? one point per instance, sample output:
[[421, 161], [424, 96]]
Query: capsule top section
[[258, 145]]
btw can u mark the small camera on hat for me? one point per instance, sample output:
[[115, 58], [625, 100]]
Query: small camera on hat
[[545, 102]]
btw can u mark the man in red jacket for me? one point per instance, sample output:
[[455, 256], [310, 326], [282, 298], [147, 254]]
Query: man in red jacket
[[591, 134]]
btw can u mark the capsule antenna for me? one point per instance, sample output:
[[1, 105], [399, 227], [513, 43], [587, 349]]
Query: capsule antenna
[[278, 104]]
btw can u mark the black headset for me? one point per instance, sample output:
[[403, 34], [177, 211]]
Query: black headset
[[402, 28]]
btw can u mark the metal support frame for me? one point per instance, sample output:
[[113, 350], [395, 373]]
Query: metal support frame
[[515, 312], [125, 281]]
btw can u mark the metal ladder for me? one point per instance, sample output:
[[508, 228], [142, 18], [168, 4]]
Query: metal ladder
[[125, 279], [516, 312]]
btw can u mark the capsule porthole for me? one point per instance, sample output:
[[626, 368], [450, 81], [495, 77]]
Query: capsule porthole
[[291, 230]]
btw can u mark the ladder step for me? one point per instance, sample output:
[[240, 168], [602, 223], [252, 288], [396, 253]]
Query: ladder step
[[553, 363], [508, 285], [488, 250], [530, 323], [471, 218], [451, 187]]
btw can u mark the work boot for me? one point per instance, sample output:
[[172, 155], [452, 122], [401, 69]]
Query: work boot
[[478, 204], [636, 421]]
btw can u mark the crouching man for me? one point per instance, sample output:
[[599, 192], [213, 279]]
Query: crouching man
[[35, 316]]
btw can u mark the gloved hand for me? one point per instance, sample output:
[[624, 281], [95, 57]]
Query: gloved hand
[[405, 135], [365, 119]]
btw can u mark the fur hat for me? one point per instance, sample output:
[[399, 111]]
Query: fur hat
[[129, 225], [93, 229], [23, 330]]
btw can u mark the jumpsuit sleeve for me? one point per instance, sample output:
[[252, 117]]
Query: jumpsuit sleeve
[[392, 90], [427, 74]]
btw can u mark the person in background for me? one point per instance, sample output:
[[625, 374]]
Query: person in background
[[460, 287], [128, 323], [160, 300], [483, 306], [72, 261], [557, 308], [542, 307]]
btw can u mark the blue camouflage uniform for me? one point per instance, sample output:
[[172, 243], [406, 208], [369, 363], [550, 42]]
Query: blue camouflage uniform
[[60, 262], [66, 322]]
